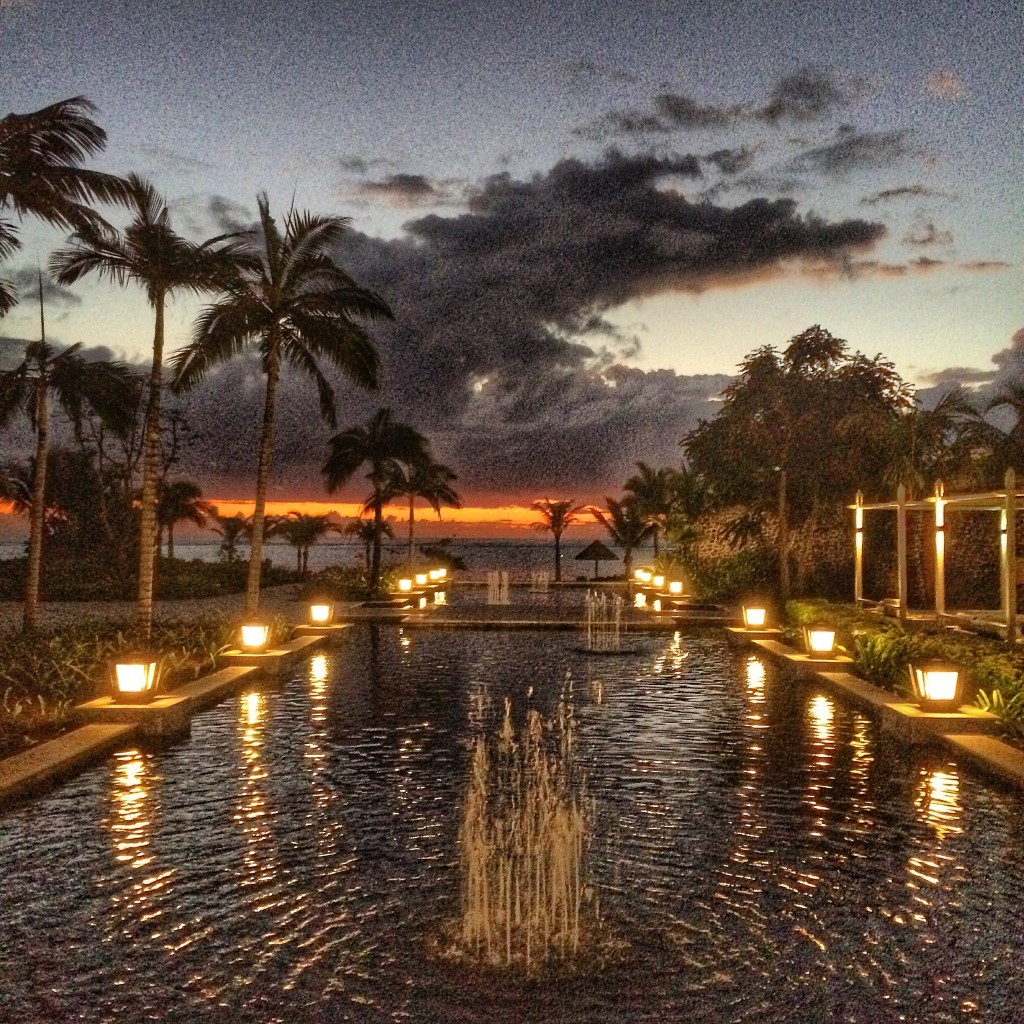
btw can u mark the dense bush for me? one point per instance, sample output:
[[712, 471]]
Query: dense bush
[[734, 577], [43, 674]]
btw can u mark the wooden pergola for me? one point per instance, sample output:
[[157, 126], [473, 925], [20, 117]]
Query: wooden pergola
[[1005, 503]]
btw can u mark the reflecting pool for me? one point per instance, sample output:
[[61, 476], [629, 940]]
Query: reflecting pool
[[757, 851]]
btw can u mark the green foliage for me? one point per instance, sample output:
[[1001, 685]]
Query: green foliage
[[736, 576], [43, 674], [1001, 690], [441, 554]]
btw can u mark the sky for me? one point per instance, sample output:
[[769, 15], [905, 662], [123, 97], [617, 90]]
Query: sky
[[584, 215]]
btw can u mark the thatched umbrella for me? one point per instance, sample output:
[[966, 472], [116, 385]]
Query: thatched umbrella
[[597, 552]]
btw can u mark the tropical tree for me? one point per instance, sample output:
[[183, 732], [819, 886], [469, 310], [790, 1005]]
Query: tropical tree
[[776, 446], [365, 531], [296, 306], [41, 176], [386, 447], [232, 530], [653, 491], [44, 374], [557, 516], [427, 479], [151, 254], [180, 501], [302, 531], [627, 525]]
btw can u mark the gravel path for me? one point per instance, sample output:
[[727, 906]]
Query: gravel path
[[55, 614]]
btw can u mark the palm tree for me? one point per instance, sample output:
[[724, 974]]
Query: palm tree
[[75, 383], [386, 446], [365, 531], [429, 480], [40, 154], [653, 491], [295, 305], [627, 526], [232, 529], [181, 500], [302, 531], [557, 516], [151, 254]]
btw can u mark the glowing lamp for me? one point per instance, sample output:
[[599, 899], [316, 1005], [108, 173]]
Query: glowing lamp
[[421, 579], [639, 575], [136, 675], [255, 636], [435, 575], [675, 587], [820, 642], [936, 685], [754, 616], [658, 582], [442, 573], [405, 585], [640, 601], [321, 613], [657, 604], [644, 575], [423, 603]]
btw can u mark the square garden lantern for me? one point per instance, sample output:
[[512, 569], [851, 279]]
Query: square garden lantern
[[754, 616], [255, 635], [321, 612], [136, 675], [405, 585], [820, 642], [936, 685]]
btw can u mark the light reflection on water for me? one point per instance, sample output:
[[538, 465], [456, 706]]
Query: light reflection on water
[[760, 850]]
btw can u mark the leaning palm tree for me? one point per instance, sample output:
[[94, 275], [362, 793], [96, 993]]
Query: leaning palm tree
[[232, 530], [426, 479], [386, 447], [181, 500], [151, 254], [75, 384], [627, 525], [365, 531], [302, 531], [654, 492], [557, 517], [40, 154], [294, 305]]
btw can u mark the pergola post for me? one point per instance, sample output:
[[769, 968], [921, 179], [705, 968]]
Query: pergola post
[[858, 550], [1009, 556], [940, 551], [901, 549]]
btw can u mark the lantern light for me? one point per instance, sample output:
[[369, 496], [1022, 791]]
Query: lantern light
[[135, 676], [657, 604], [644, 575], [405, 585], [658, 582], [936, 685], [820, 642], [754, 616], [640, 601], [255, 635], [423, 603], [321, 613], [675, 587], [435, 575], [421, 579]]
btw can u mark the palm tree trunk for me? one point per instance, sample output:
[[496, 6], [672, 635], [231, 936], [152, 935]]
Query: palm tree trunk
[[252, 591], [412, 501], [378, 526], [38, 512], [170, 540], [558, 558], [150, 477], [654, 534]]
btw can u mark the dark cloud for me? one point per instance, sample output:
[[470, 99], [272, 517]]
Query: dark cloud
[[731, 161], [25, 280], [925, 233], [854, 151], [1010, 361], [354, 164], [903, 192], [501, 350], [958, 375], [412, 190], [808, 95]]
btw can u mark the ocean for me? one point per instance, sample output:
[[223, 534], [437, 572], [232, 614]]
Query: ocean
[[519, 557]]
